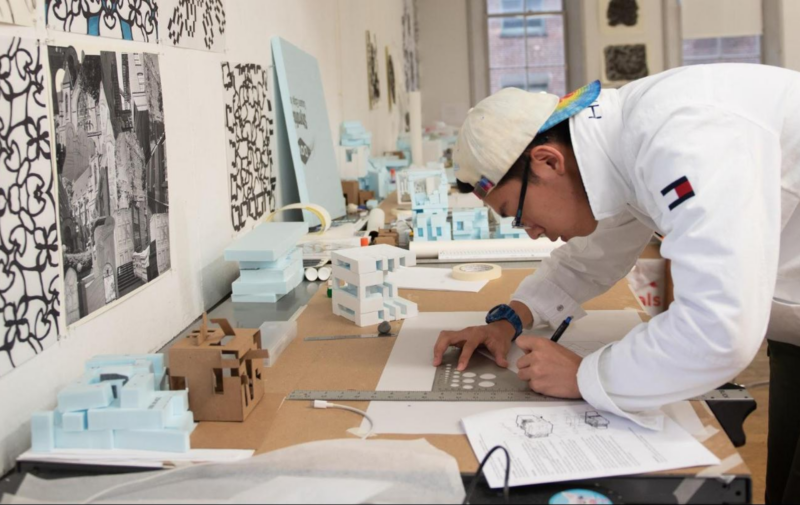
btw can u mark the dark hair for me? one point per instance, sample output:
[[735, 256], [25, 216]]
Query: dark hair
[[558, 134]]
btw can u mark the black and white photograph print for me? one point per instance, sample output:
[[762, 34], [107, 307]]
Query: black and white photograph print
[[111, 166], [249, 129], [373, 79], [29, 262], [391, 81], [410, 58], [135, 20], [194, 24], [622, 17], [622, 13], [17, 12], [625, 63]]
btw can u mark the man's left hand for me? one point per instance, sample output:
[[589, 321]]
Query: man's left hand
[[549, 368]]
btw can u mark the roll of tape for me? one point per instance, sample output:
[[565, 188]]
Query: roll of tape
[[318, 210], [324, 273], [312, 274], [476, 272]]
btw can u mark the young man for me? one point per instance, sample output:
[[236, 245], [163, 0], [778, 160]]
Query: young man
[[707, 156]]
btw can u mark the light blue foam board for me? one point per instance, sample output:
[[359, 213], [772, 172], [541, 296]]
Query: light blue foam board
[[84, 439], [139, 392], [241, 287], [281, 264], [152, 417], [183, 421], [78, 396], [74, 421], [266, 242], [263, 298], [43, 431], [157, 361], [169, 440], [270, 275], [178, 401]]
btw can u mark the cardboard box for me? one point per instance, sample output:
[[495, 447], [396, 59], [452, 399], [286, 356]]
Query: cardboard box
[[350, 190], [387, 237], [364, 196], [221, 368]]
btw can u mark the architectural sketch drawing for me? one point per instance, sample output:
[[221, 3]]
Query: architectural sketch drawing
[[17, 12], [534, 426], [595, 420], [626, 62], [29, 283], [194, 24], [373, 80], [119, 19], [411, 62], [249, 129], [112, 174], [391, 84]]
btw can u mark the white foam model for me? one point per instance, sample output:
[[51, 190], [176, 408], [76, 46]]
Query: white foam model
[[360, 291]]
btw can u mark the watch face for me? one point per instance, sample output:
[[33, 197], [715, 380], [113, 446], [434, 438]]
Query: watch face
[[496, 311]]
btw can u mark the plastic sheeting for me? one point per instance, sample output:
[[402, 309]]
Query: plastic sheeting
[[377, 471]]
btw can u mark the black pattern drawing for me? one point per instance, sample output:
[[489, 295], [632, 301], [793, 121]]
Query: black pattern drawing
[[391, 82], [120, 19], [29, 266], [111, 162], [195, 24], [626, 62], [411, 62], [17, 12], [622, 12], [249, 128], [373, 80]]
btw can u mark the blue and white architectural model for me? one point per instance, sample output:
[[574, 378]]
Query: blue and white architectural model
[[117, 404], [428, 189], [471, 224], [270, 264], [354, 150], [505, 229], [360, 291]]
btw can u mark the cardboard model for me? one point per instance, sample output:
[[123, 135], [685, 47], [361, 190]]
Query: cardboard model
[[221, 367]]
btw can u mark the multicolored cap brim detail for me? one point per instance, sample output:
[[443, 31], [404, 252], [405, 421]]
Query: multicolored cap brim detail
[[483, 187], [572, 104]]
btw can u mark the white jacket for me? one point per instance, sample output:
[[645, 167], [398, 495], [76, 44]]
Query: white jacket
[[733, 131]]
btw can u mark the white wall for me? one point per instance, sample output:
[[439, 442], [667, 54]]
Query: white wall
[[443, 60], [200, 225]]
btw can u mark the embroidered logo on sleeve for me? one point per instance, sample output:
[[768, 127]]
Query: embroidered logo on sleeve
[[680, 191]]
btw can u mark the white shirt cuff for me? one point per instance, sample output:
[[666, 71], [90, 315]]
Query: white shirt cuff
[[590, 383], [547, 302]]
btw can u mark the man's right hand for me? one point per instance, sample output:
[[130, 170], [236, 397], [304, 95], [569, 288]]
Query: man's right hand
[[496, 337]]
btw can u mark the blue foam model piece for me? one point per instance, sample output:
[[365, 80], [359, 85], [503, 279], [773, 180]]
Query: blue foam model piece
[[74, 421], [353, 133], [84, 439], [266, 242], [178, 401], [506, 230], [169, 440], [244, 286], [428, 188], [157, 361], [85, 396], [431, 226], [138, 392], [272, 275], [152, 417], [281, 264], [43, 428], [471, 224]]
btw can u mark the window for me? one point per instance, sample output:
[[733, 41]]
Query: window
[[722, 50], [526, 45], [141, 79]]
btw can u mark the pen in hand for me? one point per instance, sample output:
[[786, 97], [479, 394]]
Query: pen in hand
[[561, 329]]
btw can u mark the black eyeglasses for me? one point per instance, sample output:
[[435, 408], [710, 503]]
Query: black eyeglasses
[[517, 224]]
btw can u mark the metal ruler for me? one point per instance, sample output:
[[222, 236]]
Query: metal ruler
[[345, 337], [471, 396]]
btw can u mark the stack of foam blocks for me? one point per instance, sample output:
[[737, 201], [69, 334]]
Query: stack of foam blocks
[[505, 229], [354, 150], [360, 290], [270, 264], [471, 224], [428, 188], [117, 404]]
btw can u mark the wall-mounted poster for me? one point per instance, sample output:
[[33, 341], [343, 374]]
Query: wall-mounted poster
[[624, 63], [373, 80], [249, 129], [391, 83], [119, 19], [17, 12], [411, 61], [620, 17], [112, 174], [304, 129], [193, 24], [29, 271]]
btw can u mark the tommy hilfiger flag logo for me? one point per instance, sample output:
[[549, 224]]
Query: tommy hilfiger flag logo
[[682, 190]]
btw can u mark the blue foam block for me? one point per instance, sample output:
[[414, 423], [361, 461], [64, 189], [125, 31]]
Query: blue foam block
[[157, 360], [281, 264], [84, 439], [74, 421], [264, 298], [43, 431], [266, 242], [138, 392], [79, 396], [271, 275], [183, 421], [243, 287], [152, 417], [178, 401], [170, 440]]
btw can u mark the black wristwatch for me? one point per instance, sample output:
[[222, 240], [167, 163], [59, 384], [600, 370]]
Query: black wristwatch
[[504, 312]]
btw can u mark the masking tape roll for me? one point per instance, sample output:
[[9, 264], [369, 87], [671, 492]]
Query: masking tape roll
[[477, 272], [312, 274], [319, 211], [324, 273]]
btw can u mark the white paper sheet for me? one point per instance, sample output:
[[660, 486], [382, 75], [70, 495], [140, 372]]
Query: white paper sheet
[[432, 279], [684, 414], [410, 368], [555, 444], [143, 459], [295, 490]]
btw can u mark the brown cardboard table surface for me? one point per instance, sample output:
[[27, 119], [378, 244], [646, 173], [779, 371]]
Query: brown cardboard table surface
[[358, 365]]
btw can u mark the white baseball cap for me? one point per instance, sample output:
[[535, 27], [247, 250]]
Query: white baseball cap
[[500, 127]]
